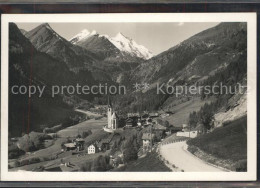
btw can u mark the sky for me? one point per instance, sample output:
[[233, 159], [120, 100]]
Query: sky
[[156, 37]]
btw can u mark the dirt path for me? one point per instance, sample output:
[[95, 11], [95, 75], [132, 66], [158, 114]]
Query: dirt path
[[176, 154], [88, 113]]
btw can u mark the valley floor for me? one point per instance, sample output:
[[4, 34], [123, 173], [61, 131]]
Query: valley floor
[[96, 126]]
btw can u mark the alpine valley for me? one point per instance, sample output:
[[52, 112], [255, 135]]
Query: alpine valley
[[42, 57]]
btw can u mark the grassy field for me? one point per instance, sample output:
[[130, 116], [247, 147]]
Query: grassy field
[[92, 124], [183, 110], [55, 147], [149, 163], [227, 143]]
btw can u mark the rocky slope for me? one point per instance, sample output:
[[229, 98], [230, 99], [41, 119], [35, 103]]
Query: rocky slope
[[46, 40], [197, 57], [28, 66]]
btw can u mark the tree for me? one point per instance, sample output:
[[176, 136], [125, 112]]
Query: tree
[[129, 149], [207, 116], [101, 163], [193, 119], [86, 133]]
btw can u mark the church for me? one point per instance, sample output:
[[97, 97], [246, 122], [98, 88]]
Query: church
[[112, 117]]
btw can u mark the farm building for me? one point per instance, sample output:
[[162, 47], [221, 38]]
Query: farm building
[[79, 142], [139, 122], [70, 146], [159, 127], [190, 134], [129, 122], [133, 115], [103, 146], [147, 138], [153, 115], [201, 129], [185, 127]]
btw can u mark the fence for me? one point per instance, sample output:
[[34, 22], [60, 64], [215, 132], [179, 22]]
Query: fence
[[174, 141]]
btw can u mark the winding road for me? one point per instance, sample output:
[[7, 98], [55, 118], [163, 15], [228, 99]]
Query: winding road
[[176, 154]]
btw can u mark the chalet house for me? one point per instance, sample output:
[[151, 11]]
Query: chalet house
[[103, 145], [148, 121], [201, 129], [164, 115], [139, 122], [148, 139], [173, 130], [133, 115], [153, 115], [144, 116], [189, 134], [79, 142], [129, 122], [92, 149], [159, 127], [70, 146], [185, 127]]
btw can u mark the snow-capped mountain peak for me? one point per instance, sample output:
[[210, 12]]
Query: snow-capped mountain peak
[[120, 36], [120, 41], [84, 34], [128, 45]]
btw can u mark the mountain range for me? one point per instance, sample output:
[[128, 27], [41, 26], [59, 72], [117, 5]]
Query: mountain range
[[118, 44]]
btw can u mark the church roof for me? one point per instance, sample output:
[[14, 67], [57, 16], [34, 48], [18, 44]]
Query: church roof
[[114, 115]]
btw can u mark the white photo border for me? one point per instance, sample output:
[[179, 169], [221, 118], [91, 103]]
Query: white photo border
[[250, 18]]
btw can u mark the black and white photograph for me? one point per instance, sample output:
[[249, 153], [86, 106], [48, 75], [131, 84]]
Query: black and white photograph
[[127, 96]]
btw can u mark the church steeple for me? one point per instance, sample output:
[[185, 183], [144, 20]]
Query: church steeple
[[109, 103]]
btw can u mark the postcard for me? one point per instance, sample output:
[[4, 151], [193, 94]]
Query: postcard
[[128, 97]]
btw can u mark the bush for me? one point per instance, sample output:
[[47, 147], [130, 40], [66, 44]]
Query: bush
[[86, 133], [24, 162], [16, 164], [25, 143], [101, 164], [45, 159], [31, 142], [241, 166], [14, 151], [85, 167], [192, 149], [34, 160]]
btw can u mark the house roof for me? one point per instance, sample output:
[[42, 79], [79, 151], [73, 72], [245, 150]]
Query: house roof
[[129, 120], [148, 136], [133, 114], [80, 140], [159, 127], [114, 115], [70, 145], [153, 114], [92, 145]]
